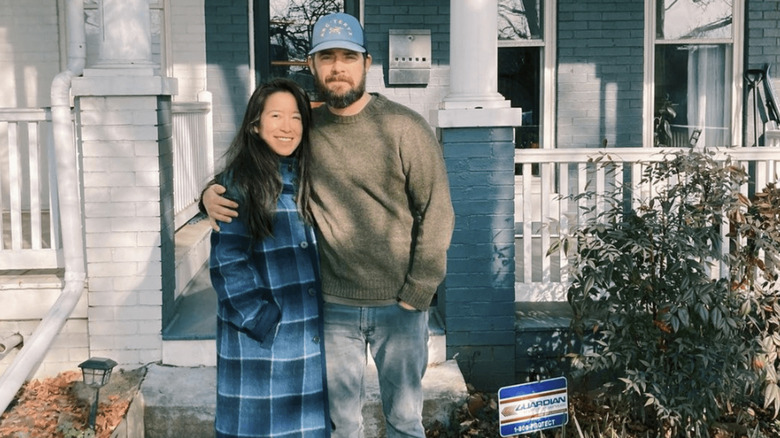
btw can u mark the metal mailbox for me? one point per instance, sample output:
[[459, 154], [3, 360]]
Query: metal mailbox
[[410, 56]]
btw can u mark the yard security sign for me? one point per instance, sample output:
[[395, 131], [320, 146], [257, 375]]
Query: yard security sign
[[529, 407]]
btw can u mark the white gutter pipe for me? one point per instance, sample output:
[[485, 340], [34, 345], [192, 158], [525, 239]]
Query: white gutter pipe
[[34, 350]]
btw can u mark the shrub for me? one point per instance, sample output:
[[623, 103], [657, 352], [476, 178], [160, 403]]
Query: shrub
[[642, 286], [754, 274]]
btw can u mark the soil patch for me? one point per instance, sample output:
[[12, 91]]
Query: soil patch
[[58, 407]]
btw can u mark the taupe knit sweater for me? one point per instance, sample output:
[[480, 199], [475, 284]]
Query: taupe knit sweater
[[382, 204]]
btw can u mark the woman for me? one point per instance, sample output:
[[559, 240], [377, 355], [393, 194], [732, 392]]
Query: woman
[[264, 267]]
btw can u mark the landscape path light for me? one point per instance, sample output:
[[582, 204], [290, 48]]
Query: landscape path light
[[96, 372]]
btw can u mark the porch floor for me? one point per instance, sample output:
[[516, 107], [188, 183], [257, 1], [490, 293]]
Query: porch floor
[[196, 310]]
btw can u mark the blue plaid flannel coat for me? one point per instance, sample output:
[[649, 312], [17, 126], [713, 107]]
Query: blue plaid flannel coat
[[270, 362]]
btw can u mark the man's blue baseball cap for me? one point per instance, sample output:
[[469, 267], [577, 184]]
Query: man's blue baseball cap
[[337, 31]]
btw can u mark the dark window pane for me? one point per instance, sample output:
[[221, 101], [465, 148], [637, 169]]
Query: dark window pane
[[694, 81], [519, 81]]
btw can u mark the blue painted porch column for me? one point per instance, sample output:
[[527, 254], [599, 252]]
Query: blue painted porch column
[[477, 302], [476, 127]]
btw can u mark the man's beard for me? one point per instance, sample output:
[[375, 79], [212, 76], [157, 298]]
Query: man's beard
[[340, 101]]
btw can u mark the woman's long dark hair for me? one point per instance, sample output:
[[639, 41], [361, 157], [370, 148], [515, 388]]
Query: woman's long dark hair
[[251, 171]]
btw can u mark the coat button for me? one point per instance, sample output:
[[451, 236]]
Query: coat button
[[304, 245], [316, 339], [312, 291]]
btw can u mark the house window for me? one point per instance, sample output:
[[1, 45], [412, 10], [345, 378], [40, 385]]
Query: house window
[[694, 72], [520, 30], [283, 35], [523, 43]]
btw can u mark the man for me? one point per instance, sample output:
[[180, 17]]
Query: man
[[380, 199]]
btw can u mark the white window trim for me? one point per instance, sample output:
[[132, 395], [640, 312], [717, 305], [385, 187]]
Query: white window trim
[[549, 65], [738, 30]]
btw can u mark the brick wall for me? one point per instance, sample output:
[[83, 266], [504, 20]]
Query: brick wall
[[125, 248], [762, 47], [382, 15], [188, 46], [763, 35], [227, 57], [478, 299], [600, 73]]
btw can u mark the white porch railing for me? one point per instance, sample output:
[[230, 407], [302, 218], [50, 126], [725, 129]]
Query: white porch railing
[[29, 223], [193, 155], [543, 211], [772, 137]]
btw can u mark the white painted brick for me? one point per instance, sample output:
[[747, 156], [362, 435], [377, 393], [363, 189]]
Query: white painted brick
[[153, 269], [98, 254], [146, 179], [113, 298], [58, 353], [77, 355], [75, 326], [102, 240], [107, 118], [118, 103], [109, 179], [52, 369], [147, 209], [136, 254], [110, 269], [102, 342], [119, 133], [135, 224], [149, 356], [144, 118], [97, 224], [114, 149], [146, 148], [100, 284], [67, 340], [106, 210], [150, 298], [126, 359], [123, 327], [132, 194], [147, 314], [140, 283], [101, 194], [140, 341], [148, 239]]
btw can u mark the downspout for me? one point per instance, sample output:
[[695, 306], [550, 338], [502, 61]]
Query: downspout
[[35, 348]]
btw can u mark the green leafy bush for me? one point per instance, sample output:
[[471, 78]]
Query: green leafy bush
[[754, 273], [674, 335]]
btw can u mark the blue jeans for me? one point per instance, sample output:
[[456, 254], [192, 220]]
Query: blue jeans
[[398, 341]]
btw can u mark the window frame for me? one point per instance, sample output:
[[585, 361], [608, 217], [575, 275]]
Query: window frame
[[259, 23], [548, 57], [737, 53]]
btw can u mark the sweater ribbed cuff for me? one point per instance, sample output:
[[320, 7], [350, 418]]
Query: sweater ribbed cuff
[[416, 294]]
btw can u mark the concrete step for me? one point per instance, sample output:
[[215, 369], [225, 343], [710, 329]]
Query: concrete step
[[180, 401]]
